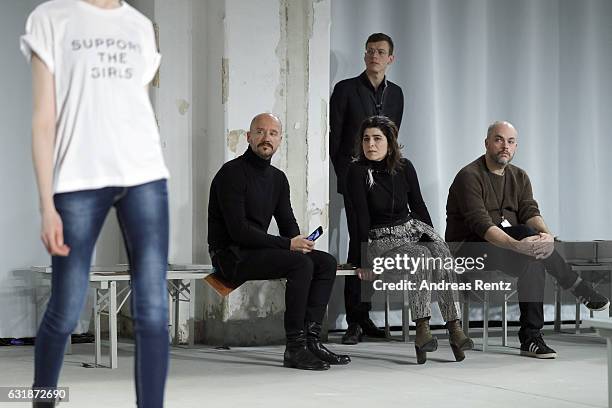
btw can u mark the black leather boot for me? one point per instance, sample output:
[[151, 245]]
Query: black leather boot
[[353, 334], [298, 356], [45, 404], [313, 342], [371, 330]]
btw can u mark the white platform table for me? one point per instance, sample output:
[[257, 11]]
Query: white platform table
[[181, 283]]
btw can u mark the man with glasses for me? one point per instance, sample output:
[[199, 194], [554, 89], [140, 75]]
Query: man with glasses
[[352, 101]]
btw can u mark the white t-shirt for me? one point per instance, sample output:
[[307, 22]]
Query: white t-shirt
[[102, 60]]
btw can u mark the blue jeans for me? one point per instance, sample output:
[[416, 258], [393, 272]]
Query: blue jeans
[[142, 212]]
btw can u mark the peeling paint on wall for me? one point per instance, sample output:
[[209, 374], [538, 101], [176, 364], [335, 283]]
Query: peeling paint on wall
[[325, 217], [233, 138], [314, 212], [182, 105], [224, 80], [296, 88], [280, 93], [311, 17], [257, 299]]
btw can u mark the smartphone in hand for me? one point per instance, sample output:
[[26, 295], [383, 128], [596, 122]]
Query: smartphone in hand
[[315, 234]]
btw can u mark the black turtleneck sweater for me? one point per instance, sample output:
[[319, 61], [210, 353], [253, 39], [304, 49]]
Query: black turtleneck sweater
[[391, 200], [244, 195]]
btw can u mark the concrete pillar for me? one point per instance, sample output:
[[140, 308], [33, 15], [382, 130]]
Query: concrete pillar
[[276, 59], [224, 62]]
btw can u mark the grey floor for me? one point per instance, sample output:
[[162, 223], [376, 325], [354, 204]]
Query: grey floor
[[383, 374]]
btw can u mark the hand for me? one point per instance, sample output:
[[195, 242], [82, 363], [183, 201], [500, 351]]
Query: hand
[[537, 246], [301, 244], [366, 274], [52, 233], [547, 247], [526, 246]]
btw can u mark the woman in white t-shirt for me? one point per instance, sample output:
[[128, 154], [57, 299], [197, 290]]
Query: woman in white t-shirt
[[96, 146]]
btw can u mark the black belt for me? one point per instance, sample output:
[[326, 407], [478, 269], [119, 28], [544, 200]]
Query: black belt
[[394, 223]]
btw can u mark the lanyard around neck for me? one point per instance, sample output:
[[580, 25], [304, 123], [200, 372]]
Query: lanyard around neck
[[500, 201]]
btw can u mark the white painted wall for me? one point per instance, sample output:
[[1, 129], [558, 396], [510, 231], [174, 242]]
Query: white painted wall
[[202, 126], [317, 113], [204, 106], [223, 62], [276, 55], [544, 65], [20, 246]]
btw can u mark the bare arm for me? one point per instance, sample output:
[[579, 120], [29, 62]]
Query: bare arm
[[43, 140], [43, 131], [498, 237]]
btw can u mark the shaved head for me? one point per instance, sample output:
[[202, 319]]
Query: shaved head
[[500, 144], [498, 123], [265, 115], [264, 135]]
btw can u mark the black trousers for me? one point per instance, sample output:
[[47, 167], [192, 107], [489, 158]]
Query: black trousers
[[530, 274], [310, 279], [357, 294]]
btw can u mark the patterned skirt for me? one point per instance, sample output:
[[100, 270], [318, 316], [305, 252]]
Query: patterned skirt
[[416, 239]]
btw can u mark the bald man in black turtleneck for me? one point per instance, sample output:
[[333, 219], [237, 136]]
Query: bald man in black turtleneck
[[244, 196]]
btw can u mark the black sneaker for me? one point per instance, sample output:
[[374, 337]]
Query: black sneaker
[[535, 347], [586, 295], [353, 334], [371, 330]]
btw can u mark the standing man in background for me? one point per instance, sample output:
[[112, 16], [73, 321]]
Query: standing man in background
[[352, 101]]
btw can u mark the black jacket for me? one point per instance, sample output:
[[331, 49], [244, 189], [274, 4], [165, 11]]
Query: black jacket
[[352, 101], [390, 200]]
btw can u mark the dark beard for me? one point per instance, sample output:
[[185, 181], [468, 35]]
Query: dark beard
[[497, 159]]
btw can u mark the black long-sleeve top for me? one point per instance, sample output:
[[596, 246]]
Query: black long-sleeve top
[[390, 200], [352, 101], [244, 195]]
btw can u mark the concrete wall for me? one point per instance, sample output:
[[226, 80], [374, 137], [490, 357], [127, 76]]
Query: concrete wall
[[270, 50], [19, 223], [22, 295], [223, 62]]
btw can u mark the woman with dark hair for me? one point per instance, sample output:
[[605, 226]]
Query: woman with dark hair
[[392, 219]]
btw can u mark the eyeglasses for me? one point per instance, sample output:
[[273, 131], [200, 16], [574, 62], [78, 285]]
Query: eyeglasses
[[380, 51]]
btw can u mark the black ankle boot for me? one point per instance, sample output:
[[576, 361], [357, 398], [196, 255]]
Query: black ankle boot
[[43, 404], [46, 403], [313, 342], [371, 330], [298, 356]]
